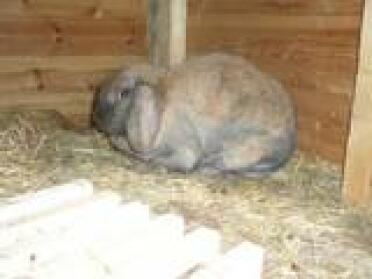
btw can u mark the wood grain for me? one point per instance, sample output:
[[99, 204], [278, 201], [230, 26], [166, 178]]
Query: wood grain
[[358, 165], [68, 8], [52, 80], [67, 37], [11, 64], [286, 7], [74, 106], [280, 22]]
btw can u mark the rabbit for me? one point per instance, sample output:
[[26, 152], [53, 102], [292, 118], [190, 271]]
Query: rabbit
[[216, 114]]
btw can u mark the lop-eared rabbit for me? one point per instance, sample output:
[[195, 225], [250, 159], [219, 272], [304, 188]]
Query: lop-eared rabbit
[[217, 114]]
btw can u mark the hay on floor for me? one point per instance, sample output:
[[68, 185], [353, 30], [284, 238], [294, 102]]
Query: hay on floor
[[296, 213]]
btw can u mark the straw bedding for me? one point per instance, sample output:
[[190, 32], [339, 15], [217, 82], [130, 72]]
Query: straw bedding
[[296, 213]]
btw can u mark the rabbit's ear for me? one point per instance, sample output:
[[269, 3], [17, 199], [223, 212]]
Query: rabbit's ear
[[143, 119]]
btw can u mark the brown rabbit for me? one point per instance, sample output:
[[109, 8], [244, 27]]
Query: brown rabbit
[[216, 114]]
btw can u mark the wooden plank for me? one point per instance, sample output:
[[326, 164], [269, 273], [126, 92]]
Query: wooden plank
[[68, 9], [31, 205], [54, 227], [72, 81], [65, 27], [68, 102], [307, 40], [24, 63], [243, 261], [37, 99], [291, 7], [167, 31], [313, 52], [71, 37], [51, 80], [358, 165], [71, 45], [74, 107], [14, 82], [280, 22]]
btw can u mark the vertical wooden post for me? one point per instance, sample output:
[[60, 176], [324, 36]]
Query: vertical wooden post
[[358, 166], [167, 31]]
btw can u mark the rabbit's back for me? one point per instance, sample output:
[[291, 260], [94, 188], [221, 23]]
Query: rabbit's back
[[222, 89]]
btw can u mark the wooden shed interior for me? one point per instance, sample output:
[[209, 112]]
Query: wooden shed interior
[[53, 53]]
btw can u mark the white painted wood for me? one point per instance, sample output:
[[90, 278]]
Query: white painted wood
[[60, 220], [28, 205], [46, 237], [203, 244], [197, 247], [143, 249], [244, 261], [72, 264], [99, 237]]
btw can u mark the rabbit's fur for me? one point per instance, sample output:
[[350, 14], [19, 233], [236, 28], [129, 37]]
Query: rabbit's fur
[[216, 114]]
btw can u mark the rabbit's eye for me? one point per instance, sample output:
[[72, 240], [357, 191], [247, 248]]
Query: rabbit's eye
[[123, 93]]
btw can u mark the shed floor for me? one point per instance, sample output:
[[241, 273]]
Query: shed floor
[[296, 214]]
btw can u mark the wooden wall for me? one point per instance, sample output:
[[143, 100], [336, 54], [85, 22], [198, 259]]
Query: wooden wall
[[52, 52]]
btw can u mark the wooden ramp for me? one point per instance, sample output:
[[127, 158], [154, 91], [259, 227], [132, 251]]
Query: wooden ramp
[[71, 231]]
